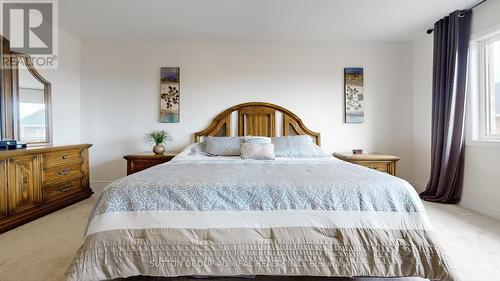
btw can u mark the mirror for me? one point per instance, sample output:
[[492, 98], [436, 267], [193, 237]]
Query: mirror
[[32, 113], [25, 99], [31, 97]]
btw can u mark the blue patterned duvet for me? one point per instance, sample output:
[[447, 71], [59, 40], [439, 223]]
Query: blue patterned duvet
[[207, 216]]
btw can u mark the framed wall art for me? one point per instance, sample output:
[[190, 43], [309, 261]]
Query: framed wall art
[[169, 94], [354, 95]]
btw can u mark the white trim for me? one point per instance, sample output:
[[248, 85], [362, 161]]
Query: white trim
[[477, 127], [257, 219], [484, 143], [472, 96], [480, 208]]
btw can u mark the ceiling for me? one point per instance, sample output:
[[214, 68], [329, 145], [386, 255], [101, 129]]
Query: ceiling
[[253, 20]]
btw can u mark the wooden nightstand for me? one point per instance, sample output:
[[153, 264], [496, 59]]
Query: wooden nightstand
[[142, 161], [380, 162]]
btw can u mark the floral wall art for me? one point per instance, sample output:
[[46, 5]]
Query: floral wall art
[[354, 95], [169, 94]]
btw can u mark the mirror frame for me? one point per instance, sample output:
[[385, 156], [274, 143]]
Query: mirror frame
[[47, 93], [9, 96], [6, 118]]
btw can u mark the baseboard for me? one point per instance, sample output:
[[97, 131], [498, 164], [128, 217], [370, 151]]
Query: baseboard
[[469, 204], [480, 208]]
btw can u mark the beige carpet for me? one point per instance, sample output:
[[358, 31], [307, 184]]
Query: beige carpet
[[42, 249]]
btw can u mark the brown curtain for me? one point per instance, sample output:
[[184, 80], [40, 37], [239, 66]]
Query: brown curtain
[[451, 48]]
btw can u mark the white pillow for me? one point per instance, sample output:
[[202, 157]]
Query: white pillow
[[296, 146], [261, 140], [257, 151], [223, 146]]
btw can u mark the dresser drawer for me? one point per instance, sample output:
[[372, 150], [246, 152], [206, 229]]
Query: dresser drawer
[[59, 158], [139, 165], [379, 166], [142, 161], [61, 189], [62, 173]]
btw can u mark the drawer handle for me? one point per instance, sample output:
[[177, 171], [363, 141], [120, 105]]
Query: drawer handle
[[64, 172], [64, 157], [373, 167], [66, 187]]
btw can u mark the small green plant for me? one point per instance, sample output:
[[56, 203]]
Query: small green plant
[[158, 137]]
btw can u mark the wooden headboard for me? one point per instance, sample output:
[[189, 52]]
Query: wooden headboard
[[257, 119]]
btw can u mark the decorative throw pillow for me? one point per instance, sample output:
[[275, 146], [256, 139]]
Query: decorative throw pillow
[[199, 149], [261, 140], [296, 146], [257, 151], [223, 146]]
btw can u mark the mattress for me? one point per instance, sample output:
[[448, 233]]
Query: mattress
[[224, 216]]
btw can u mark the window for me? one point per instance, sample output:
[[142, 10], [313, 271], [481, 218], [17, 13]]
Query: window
[[32, 114], [493, 84], [485, 88], [32, 127]]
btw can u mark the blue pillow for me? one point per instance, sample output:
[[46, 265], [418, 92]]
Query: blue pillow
[[296, 146], [223, 146]]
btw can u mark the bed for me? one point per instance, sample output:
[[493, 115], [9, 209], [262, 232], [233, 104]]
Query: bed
[[226, 216]]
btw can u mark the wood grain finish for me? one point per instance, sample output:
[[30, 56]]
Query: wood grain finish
[[62, 173], [6, 94], [256, 119], [23, 185], [142, 161], [37, 181], [380, 166], [220, 127], [64, 157], [56, 191], [380, 162], [3, 189]]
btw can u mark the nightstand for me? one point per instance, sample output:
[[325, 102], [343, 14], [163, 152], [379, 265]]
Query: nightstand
[[380, 162], [142, 161]]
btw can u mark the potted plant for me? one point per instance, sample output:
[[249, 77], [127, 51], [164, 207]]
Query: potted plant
[[158, 138]]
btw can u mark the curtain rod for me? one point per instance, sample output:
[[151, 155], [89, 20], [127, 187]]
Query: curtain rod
[[461, 13]]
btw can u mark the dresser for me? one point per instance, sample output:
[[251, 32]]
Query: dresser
[[141, 161], [376, 161], [38, 181]]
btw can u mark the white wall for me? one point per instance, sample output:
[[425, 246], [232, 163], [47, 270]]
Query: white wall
[[481, 179], [65, 82], [422, 105], [120, 93]]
